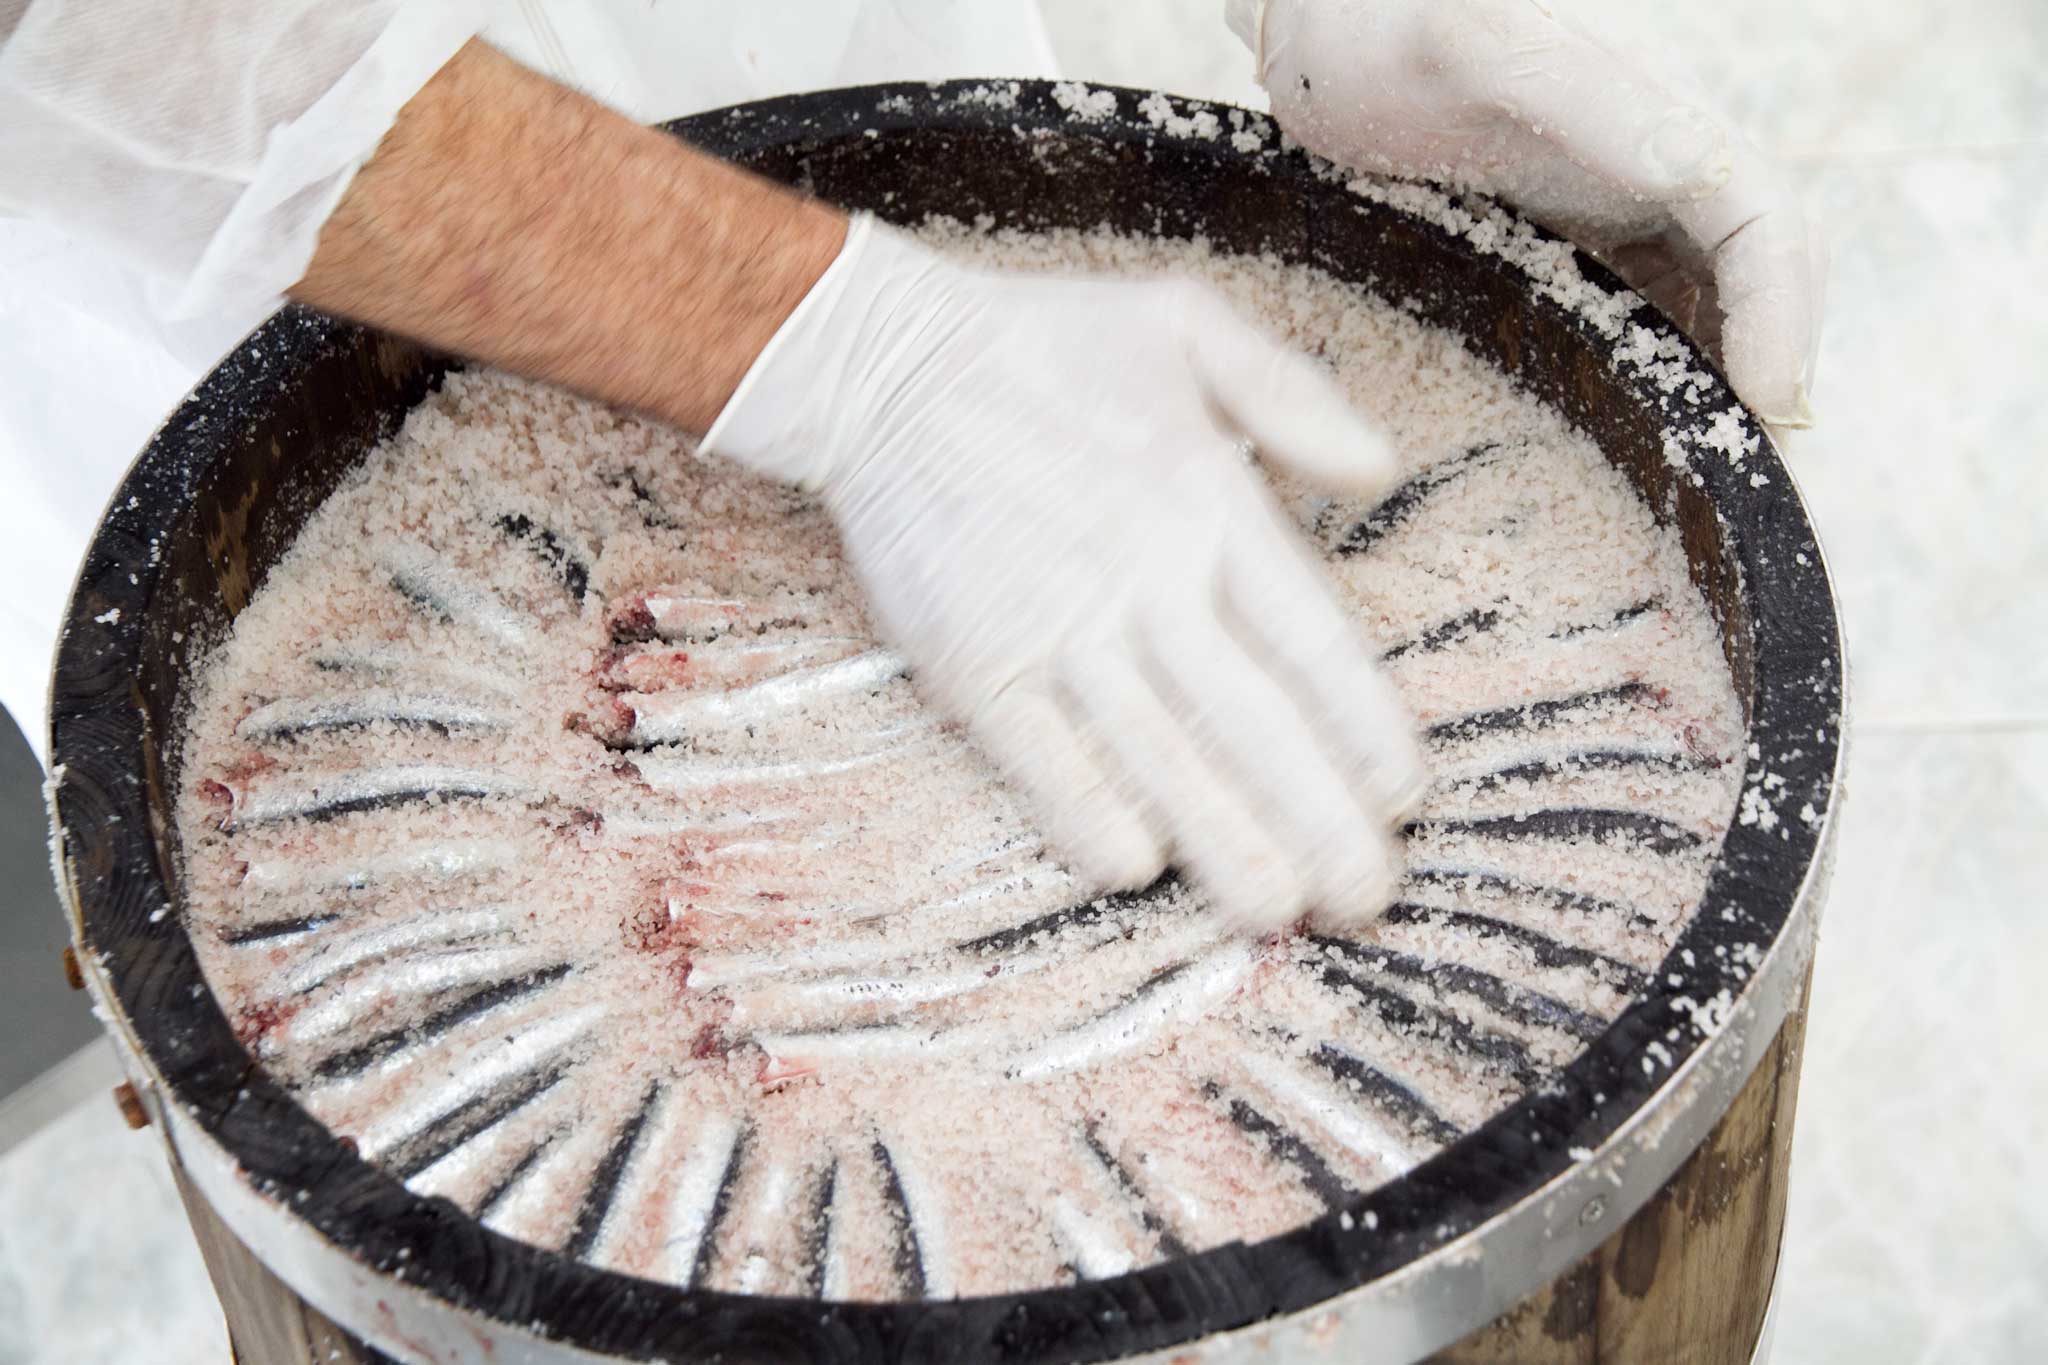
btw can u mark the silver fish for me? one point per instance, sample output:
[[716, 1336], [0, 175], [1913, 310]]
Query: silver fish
[[291, 717], [664, 717]]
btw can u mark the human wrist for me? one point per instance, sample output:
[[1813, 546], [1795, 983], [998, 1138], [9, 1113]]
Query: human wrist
[[797, 412], [797, 244]]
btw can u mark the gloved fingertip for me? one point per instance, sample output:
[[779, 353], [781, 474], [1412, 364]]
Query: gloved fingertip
[[1774, 385], [1409, 782], [1363, 887], [1796, 412], [1289, 406], [1688, 155], [1769, 347], [1259, 899], [1118, 855], [1337, 450]]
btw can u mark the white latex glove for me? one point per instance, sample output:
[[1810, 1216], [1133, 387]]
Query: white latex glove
[[1513, 99], [1043, 485]]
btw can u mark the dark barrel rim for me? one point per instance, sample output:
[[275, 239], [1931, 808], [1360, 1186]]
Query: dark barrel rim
[[115, 856]]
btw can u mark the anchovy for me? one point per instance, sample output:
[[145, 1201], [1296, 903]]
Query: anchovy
[[1478, 621], [1528, 1007], [665, 717], [1547, 951], [858, 959], [1389, 1094], [426, 858], [1043, 877], [419, 977], [291, 718], [345, 793], [771, 1205], [666, 820], [1536, 715], [907, 985], [1182, 991], [703, 1198], [1094, 1250], [466, 1122], [1574, 763], [572, 570], [1169, 1244], [1322, 1182], [1401, 504], [1408, 1017], [604, 1181], [436, 586], [1556, 897], [827, 992], [336, 956], [526, 1064], [720, 667], [505, 1184], [385, 661], [1009, 847], [271, 931], [1651, 832], [866, 1043], [690, 619], [919, 1268], [355, 1060], [1632, 612], [819, 1249], [1111, 907], [710, 971], [1364, 1133], [689, 773], [702, 1189]]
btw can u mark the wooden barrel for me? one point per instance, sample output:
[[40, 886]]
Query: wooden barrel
[[1627, 1208]]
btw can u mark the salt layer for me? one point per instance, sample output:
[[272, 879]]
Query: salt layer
[[556, 828]]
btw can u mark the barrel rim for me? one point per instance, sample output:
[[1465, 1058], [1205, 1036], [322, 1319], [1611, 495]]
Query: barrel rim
[[110, 856]]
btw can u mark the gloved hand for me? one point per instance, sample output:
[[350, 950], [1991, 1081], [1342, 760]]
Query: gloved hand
[[1513, 99], [1043, 484]]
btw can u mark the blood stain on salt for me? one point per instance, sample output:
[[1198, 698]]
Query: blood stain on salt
[[254, 1023], [633, 621], [646, 928], [219, 796], [248, 766], [710, 1042]]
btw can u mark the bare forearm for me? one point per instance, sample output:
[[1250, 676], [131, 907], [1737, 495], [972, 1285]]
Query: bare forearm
[[510, 219]]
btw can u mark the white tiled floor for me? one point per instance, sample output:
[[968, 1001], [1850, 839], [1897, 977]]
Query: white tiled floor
[[97, 1265], [1919, 1216]]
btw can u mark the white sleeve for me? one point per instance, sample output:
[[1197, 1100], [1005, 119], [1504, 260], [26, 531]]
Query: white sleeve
[[206, 141]]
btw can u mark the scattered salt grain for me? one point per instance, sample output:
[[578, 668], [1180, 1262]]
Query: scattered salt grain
[[1082, 103]]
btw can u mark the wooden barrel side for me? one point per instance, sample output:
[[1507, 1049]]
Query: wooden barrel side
[[268, 1323], [1688, 1279]]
